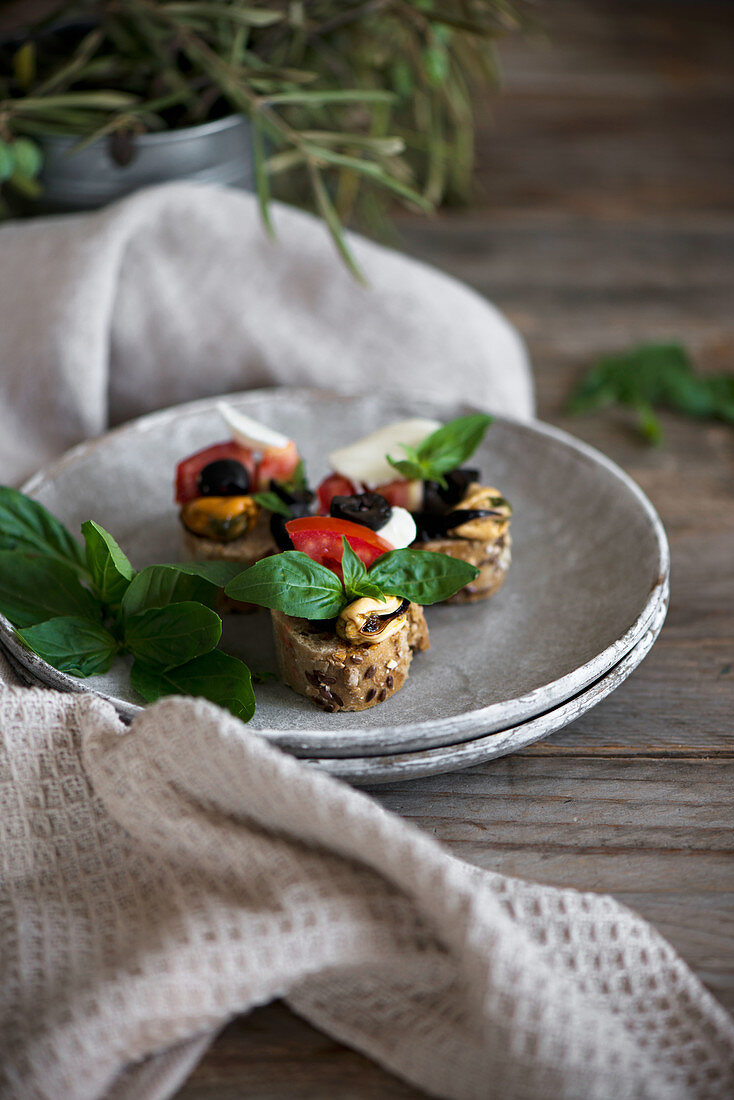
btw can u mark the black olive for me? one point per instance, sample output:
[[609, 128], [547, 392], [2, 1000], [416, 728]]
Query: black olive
[[432, 525], [298, 500], [369, 509], [279, 533], [224, 478], [438, 499]]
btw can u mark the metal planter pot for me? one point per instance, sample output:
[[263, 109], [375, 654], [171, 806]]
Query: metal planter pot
[[215, 152]]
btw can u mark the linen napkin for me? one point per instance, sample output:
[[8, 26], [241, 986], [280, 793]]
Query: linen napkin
[[157, 879]]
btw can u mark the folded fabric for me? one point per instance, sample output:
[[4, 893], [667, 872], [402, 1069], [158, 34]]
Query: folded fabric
[[161, 878], [177, 292]]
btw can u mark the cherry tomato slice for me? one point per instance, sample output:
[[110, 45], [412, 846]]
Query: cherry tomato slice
[[334, 486], [402, 494], [188, 470], [277, 465], [321, 538]]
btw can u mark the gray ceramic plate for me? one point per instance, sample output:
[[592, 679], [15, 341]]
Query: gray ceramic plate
[[589, 570]]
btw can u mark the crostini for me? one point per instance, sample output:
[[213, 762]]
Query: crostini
[[454, 513]]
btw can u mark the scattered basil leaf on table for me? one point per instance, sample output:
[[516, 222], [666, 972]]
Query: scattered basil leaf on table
[[217, 572], [109, 568], [217, 676], [34, 588], [173, 635], [654, 376], [290, 582], [443, 450], [27, 525], [77, 646], [160, 585]]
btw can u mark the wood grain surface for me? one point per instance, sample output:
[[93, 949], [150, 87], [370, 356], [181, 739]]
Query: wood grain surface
[[606, 217]]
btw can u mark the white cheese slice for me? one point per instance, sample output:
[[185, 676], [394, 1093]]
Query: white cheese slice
[[400, 529], [249, 432], [364, 460]]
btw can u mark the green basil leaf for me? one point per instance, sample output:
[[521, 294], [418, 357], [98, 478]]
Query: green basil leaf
[[215, 676], [27, 525], [34, 587], [292, 583], [160, 585], [73, 645], [109, 568], [173, 635], [217, 572], [273, 503], [451, 445], [409, 470], [297, 481], [353, 570], [421, 575]]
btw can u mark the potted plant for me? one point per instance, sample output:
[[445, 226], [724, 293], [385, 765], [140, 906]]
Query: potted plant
[[337, 104]]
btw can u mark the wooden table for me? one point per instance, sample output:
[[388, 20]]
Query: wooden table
[[606, 218]]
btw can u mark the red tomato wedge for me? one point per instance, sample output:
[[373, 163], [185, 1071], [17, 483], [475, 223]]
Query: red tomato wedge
[[188, 470], [402, 494], [334, 486], [321, 538], [277, 465]]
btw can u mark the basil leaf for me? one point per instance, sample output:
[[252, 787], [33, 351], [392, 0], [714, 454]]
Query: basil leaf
[[110, 570], [297, 481], [273, 503], [654, 376], [27, 525], [292, 583], [73, 645], [356, 584], [215, 676], [160, 585], [217, 572], [412, 471], [172, 635], [34, 588], [451, 445], [421, 575]]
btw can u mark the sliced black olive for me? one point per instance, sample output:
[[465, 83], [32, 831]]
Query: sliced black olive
[[298, 500], [369, 509], [438, 499], [224, 478], [431, 525]]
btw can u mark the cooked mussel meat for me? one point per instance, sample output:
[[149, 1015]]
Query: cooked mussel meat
[[367, 621]]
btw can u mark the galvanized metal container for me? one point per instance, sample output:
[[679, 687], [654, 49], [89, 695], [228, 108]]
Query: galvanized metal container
[[215, 152]]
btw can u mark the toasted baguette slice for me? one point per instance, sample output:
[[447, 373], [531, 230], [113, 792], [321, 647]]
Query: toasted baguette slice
[[338, 676], [492, 559]]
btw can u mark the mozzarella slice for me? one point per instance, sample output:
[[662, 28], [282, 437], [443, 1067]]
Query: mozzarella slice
[[400, 529], [364, 460], [249, 432]]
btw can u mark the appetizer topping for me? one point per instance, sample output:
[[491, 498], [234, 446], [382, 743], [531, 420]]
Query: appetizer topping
[[249, 432], [366, 621], [226, 477], [369, 509], [332, 486], [442, 451], [321, 538], [278, 465], [222, 517], [364, 461], [403, 494], [400, 529], [493, 515], [293, 503], [188, 470], [438, 498]]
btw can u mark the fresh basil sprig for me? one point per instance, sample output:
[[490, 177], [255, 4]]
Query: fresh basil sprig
[[443, 450], [273, 503], [296, 585], [77, 609]]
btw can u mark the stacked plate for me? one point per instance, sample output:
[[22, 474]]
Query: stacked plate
[[584, 600]]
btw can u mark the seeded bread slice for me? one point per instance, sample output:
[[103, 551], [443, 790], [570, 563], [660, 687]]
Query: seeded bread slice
[[492, 559], [338, 676]]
